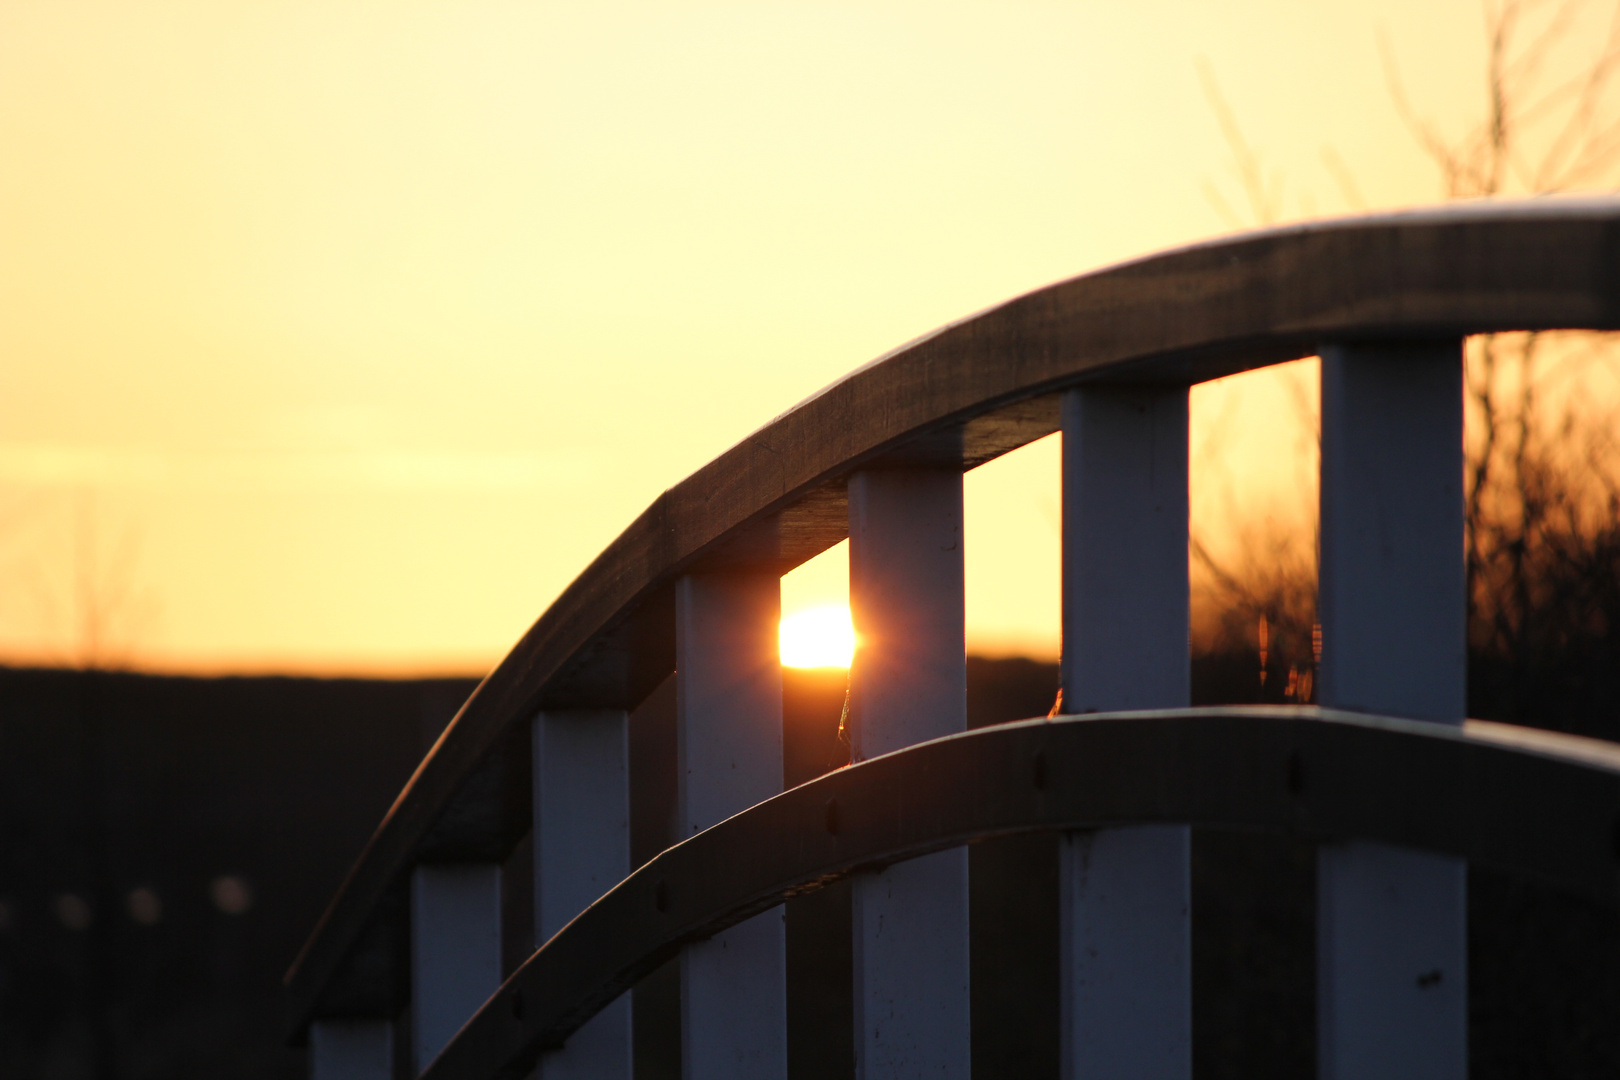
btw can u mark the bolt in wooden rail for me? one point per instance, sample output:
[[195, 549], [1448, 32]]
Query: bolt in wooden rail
[[877, 458]]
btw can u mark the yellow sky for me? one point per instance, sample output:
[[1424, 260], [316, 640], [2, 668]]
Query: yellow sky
[[339, 336]]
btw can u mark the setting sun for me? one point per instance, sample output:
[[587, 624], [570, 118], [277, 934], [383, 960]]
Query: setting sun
[[818, 637]]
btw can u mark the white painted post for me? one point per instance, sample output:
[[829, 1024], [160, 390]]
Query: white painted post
[[455, 951], [1125, 930], [1392, 956], [351, 1050], [729, 736], [581, 850], [908, 685]]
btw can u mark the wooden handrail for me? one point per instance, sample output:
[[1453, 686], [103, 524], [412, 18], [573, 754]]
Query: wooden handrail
[[1531, 802], [959, 396]]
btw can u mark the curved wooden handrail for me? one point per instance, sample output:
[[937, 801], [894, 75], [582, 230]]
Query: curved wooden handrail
[[1522, 800], [961, 395]]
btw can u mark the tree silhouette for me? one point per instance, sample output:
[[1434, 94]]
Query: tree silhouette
[[1542, 468]]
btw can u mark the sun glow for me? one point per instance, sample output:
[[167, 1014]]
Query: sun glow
[[818, 637]]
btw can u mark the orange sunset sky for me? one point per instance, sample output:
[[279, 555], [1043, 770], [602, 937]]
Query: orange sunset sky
[[339, 336]]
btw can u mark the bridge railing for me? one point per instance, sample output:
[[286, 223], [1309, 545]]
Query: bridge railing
[[1398, 790]]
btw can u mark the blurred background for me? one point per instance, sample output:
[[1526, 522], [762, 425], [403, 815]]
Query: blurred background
[[340, 336], [336, 338]]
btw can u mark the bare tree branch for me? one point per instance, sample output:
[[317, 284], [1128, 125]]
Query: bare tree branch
[[1263, 201], [1340, 171]]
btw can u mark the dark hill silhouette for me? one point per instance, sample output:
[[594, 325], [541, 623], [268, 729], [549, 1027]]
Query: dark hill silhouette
[[166, 844]]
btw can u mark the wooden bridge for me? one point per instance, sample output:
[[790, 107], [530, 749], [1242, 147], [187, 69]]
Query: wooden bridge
[[1400, 793]]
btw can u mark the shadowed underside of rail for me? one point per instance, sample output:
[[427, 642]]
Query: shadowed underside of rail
[[954, 399]]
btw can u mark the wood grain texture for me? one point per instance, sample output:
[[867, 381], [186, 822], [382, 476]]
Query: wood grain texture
[[963, 395]]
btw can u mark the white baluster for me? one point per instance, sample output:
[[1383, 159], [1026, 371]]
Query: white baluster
[[581, 850], [1125, 927], [729, 732], [1392, 976], [455, 951], [908, 685], [351, 1050]]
